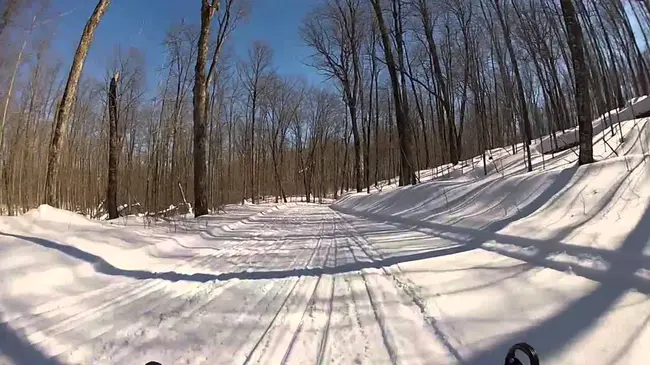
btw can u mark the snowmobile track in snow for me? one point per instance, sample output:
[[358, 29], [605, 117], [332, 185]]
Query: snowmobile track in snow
[[304, 284], [311, 301]]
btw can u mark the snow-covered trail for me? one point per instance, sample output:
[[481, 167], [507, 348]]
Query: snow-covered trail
[[305, 284], [294, 297]]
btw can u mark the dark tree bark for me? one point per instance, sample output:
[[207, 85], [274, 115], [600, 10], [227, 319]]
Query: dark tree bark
[[581, 75], [111, 191], [67, 101], [353, 95], [404, 130], [444, 100], [520, 86], [199, 112]]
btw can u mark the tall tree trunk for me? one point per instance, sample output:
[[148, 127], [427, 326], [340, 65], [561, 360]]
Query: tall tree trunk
[[368, 129], [580, 71], [376, 76], [199, 112], [111, 191], [447, 120], [67, 101], [356, 138], [520, 86], [419, 109], [404, 130], [252, 157]]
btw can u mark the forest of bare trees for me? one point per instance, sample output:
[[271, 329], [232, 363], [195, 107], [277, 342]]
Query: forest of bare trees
[[409, 85]]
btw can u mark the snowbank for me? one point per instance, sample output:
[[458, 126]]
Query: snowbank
[[597, 197], [632, 109], [595, 205]]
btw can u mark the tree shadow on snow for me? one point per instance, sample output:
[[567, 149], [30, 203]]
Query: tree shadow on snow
[[19, 350], [553, 335], [104, 267]]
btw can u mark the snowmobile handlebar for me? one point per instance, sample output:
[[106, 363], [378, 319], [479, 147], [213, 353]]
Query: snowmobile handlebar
[[511, 357], [528, 350]]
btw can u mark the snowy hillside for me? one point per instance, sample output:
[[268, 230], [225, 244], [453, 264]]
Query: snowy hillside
[[451, 271], [502, 161]]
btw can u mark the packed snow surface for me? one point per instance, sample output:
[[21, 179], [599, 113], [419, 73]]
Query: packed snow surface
[[452, 271]]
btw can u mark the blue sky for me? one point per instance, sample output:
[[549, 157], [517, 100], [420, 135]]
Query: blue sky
[[143, 24]]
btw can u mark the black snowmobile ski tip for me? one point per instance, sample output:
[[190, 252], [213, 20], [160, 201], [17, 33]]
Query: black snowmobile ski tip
[[527, 349]]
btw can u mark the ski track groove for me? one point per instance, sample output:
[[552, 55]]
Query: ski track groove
[[128, 295], [295, 335], [311, 302], [308, 308], [382, 324], [168, 312], [227, 246], [322, 348], [273, 245], [281, 325], [159, 284], [52, 309], [226, 252], [357, 238], [317, 247], [410, 289], [357, 317], [272, 248], [205, 304], [259, 301], [117, 306], [160, 307], [378, 318], [136, 292], [205, 300], [270, 325], [245, 247], [278, 288]]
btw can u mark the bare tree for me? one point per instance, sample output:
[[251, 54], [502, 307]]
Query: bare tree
[[334, 31], [67, 101], [282, 103], [405, 131], [200, 115], [254, 74], [580, 72], [526, 128], [111, 191], [443, 97]]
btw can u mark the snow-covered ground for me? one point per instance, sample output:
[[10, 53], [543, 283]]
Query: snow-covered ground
[[452, 271]]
